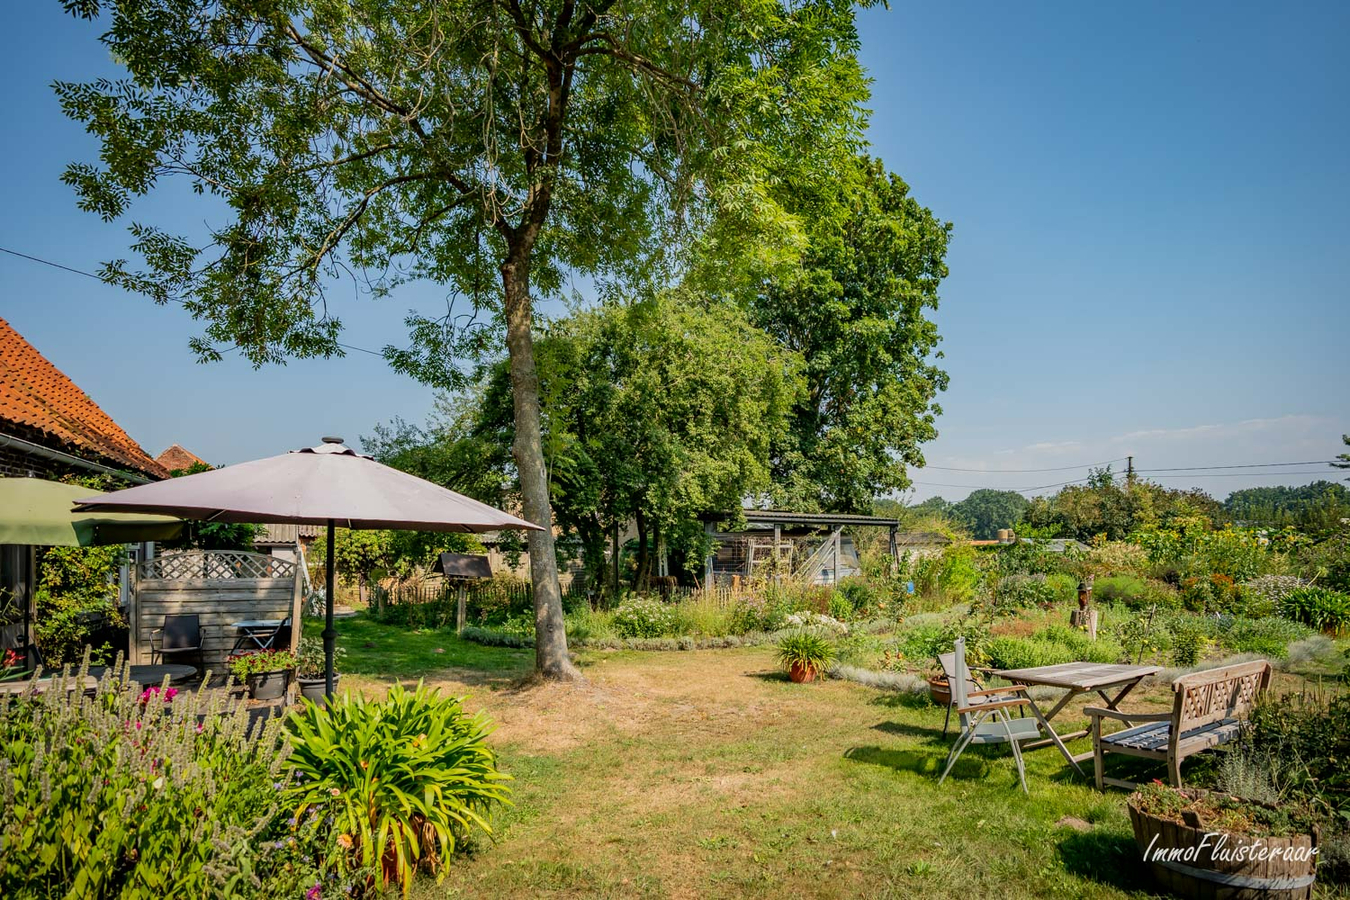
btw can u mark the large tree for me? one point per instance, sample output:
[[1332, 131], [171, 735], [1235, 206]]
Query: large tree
[[487, 145], [985, 511], [856, 309], [655, 411]]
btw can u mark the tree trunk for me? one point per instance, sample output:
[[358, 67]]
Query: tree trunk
[[550, 642], [640, 570]]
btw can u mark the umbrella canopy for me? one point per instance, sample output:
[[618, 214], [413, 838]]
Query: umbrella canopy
[[329, 485], [38, 512], [316, 486]]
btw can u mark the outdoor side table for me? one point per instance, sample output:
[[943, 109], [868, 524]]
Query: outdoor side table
[[254, 634], [42, 685], [152, 675], [1077, 678]]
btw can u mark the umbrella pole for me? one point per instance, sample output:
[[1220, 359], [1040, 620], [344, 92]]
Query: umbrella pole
[[329, 632]]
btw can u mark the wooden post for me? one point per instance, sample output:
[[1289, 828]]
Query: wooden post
[[708, 560], [461, 609], [777, 556], [1085, 617], [837, 542]]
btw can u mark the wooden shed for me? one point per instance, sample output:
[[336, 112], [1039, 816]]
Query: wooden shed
[[222, 587]]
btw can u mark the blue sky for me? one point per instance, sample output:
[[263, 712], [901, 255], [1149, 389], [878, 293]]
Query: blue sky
[[1150, 250]]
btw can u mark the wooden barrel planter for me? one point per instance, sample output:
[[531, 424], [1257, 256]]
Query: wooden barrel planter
[[1201, 863]]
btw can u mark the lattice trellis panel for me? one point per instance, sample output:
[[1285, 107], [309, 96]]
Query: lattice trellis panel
[[1221, 699], [216, 565]]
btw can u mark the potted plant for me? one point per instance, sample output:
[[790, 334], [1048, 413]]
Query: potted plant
[[805, 654], [267, 673], [1197, 842], [309, 674]]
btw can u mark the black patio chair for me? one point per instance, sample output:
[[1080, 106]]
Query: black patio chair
[[181, 637], [281, 638]]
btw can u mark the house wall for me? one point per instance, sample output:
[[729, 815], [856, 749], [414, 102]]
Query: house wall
[[15, 462]]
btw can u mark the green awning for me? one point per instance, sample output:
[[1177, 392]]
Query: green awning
[[38, 512]]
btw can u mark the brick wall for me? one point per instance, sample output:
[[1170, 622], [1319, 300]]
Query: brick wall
[[16, 463]]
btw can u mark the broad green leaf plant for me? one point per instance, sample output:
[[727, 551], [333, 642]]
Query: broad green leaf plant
[[406, 778]]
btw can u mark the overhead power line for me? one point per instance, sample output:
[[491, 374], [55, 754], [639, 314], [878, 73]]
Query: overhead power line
[[1310, 462], [65, 268], [1024, 471]]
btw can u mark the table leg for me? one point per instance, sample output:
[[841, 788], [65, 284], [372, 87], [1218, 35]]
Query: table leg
[[1111, 704], [1053, 737]]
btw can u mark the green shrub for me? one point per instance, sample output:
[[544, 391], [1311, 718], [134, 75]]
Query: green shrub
[[645, 618], [1270, 636], [1190, 639], [858, 593], [1133, 592], [841, 607], [755, 613], [1056, 644], [1023, 592], [1007, 652], [1216, 593], [73, 583], [703, 614], [111, 796], [1318, 607], [406, 778], [1262, 596], [495, 637], [1307, 738]]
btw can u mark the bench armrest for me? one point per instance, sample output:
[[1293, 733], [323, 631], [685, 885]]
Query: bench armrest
[[1104, 713]]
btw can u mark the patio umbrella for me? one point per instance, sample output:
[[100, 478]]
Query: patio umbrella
[[38, 512], [35, 512], [330, 484]]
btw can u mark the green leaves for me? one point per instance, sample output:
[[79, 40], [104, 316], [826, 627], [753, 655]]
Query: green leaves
[[856, 311], [805, 648], [377, 137], [407, 777]]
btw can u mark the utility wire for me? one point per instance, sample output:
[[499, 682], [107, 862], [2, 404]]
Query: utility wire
[[1310, 462], [1315, 462], [1056, 469], [64, 268]]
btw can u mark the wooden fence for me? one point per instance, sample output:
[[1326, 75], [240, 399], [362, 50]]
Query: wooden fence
[[221, 587]]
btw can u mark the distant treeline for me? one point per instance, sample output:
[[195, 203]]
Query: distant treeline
[[1321, 504]]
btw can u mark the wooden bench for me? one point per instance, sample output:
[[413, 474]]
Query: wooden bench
[[1208, 711]]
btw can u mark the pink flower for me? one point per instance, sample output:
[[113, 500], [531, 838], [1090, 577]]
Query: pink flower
[[313, 893]]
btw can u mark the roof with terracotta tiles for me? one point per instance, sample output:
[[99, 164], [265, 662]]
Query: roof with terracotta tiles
[[177, 458], [36, 394]]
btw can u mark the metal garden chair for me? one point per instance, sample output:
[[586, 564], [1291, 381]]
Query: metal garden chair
[[181, 636], [984, 718]]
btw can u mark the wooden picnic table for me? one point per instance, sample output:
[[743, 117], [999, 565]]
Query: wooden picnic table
[[1077, 678]]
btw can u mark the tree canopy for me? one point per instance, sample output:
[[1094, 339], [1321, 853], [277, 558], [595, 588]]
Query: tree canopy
[[985, 511], [856, 312], [490, 147], [654, 412]]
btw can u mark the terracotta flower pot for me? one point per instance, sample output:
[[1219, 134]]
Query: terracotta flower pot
[[801, 673], [940, 691]]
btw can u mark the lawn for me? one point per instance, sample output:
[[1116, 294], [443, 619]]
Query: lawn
[[706, 773]]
